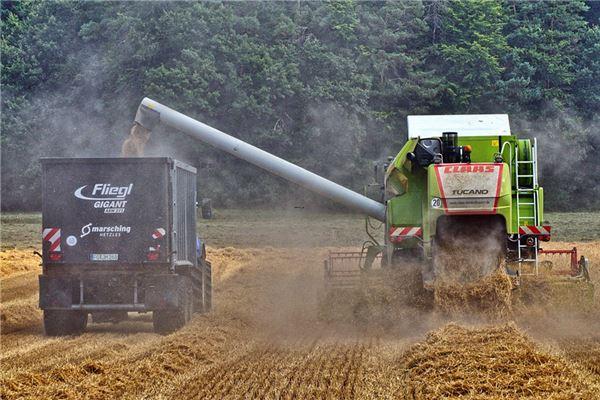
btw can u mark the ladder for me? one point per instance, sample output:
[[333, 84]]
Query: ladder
[[530, 202]]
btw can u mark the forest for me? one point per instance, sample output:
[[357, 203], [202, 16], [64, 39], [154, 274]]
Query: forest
[[326, 85]]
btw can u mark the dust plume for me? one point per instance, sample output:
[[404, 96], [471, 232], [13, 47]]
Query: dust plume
[[567, 149], [135, 143], [469, 269], [78, 119]]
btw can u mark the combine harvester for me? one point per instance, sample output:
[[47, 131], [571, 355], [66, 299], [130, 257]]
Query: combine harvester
[[461, 187]]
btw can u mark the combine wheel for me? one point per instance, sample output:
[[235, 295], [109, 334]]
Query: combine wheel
[[409, 285], [366, 310], [408, 280], [584, 270], [64, 322], [168, 321]]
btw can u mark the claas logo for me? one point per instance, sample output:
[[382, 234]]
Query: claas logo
[[448, 169]]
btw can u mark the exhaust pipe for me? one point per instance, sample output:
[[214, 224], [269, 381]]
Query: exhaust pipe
[[150, 113]]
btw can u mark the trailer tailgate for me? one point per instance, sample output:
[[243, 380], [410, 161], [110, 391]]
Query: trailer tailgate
[[106, 210]]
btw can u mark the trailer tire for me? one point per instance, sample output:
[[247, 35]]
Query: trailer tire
[[168, 321], [198, 288], [202, 287], [206, 208], [207, 286], [64, 322]]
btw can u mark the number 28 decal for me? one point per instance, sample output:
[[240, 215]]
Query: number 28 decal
[[436, 202]]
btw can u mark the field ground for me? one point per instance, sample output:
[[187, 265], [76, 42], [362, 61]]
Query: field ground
[[287, 228], [264, 339]]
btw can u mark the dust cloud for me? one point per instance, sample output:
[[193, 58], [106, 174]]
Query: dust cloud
[[567, 149], [134, 145]]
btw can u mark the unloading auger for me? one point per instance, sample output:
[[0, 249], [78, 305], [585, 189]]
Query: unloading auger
[[150, 112]]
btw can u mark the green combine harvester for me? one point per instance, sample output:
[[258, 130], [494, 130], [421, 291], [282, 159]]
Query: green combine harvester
[[462, 189], [464, 179]]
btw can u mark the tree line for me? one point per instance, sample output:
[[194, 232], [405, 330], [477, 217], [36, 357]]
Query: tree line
[[327, 85]]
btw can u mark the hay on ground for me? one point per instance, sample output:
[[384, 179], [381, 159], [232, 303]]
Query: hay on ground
[[497, 362], [18, 261], [489, 297]]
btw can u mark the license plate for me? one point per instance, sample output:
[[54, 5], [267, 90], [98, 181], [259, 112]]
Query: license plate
[[104, 257]]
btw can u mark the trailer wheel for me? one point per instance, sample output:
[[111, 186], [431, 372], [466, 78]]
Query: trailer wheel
[[64, 322], [206, 208], [202, 287], [197, 283], [168, 321], [207, 286]]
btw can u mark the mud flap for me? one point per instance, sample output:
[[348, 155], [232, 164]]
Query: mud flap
[[164, 291], [55, 292], [206, 286]]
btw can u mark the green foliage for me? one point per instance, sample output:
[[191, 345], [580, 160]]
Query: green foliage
[[545, 38], [469, 53], [327, 85]]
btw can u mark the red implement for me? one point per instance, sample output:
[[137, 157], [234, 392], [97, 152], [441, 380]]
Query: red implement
[[575, 269]]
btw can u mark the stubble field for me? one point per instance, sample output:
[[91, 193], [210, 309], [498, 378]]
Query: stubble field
[[264, 338]]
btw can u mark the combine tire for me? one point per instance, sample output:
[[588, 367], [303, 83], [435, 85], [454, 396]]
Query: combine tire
[[168, 321], [407, 282], [64, 322]]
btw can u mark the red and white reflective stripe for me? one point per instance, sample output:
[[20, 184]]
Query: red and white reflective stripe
[[398, 234], [535, 230], [158, 233], [52, 235]]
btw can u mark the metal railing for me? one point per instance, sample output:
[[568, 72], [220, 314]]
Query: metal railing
[[531, 193]]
